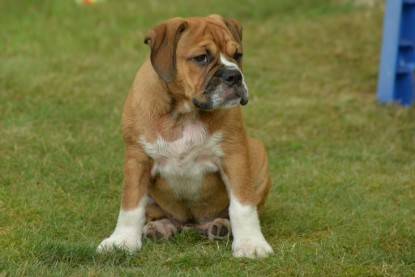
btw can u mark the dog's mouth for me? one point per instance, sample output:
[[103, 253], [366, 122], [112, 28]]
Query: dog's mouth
[[224, 90], [222, 98], [207, 106]]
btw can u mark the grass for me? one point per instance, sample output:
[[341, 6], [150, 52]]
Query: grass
[[343, 166]]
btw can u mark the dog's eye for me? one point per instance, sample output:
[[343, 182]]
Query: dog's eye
[[201, 59], [238, 56]]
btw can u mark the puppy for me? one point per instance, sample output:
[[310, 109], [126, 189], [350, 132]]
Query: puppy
[[188, 158]]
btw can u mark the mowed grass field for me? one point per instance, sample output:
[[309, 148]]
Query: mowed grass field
[[343, 166]]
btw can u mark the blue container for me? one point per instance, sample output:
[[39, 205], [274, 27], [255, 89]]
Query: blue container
[[397, 65]]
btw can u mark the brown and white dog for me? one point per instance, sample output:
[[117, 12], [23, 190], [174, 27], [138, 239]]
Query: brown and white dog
[[188, 158]]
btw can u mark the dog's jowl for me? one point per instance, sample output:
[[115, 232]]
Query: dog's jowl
[[188, 159]]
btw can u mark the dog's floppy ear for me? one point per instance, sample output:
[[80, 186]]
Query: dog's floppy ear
[[162, 40], [235, 28]]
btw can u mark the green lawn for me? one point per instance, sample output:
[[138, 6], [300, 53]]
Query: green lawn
[[343, 166]]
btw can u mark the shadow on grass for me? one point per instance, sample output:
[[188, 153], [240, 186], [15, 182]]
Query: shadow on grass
[[176, 252], [72, 254]]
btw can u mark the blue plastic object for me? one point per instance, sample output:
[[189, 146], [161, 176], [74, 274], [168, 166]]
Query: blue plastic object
[[397, 65]]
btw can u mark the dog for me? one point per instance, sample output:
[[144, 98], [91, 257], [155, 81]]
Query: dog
[[188, 158]]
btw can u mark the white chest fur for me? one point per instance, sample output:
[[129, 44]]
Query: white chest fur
[[184, 162]]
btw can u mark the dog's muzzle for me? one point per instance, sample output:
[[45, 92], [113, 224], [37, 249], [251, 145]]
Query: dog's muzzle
[[234, 79], [225, 89]]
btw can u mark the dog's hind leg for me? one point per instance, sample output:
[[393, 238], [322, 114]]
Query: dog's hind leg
[[162, 229], [220, 228]]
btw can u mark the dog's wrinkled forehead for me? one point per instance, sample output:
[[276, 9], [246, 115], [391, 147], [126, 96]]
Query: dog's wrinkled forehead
[[184, 37], [214, 34]]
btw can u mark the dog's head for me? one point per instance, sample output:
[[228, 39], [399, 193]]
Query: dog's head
[[200, 59]]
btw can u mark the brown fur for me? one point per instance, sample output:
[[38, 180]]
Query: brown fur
[[159, 102]]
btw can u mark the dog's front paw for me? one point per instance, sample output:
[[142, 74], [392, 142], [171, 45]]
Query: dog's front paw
[[127, 240], [251, 248]]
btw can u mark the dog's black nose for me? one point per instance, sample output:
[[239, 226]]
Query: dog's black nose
[[232, 77]]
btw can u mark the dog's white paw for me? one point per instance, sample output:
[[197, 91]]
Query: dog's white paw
[[251, 248], [127, 240]]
